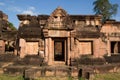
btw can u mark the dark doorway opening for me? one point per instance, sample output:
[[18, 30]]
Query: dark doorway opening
[[9, 47], [115, 47], [59, 50]]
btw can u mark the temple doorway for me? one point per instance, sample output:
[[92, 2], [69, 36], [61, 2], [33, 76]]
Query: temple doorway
[[59, 50]]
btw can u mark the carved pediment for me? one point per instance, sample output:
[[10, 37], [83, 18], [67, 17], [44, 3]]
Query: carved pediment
[[59, 19]]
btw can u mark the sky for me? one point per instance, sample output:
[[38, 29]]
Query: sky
[[36, 7]]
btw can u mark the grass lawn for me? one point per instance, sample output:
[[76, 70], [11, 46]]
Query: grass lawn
[[108, 76], [8, 77]]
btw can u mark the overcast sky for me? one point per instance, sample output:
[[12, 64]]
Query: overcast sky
[[35, 7]]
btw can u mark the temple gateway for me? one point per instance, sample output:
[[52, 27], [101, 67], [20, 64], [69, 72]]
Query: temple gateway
[[61, 37]]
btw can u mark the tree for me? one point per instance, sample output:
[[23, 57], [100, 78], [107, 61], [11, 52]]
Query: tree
[[105, 8], [12, 27]]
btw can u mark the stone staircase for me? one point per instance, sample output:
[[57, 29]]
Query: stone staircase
[[59, 63]]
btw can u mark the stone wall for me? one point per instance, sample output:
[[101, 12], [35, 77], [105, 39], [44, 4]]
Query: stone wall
[[99, 48], [3, 16], [111, 32], [88, 46], [2, 46], [31, 48], [86, 72]]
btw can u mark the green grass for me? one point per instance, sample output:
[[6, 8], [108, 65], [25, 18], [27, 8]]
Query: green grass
[[8, 77], [59, 78], [107, 76]]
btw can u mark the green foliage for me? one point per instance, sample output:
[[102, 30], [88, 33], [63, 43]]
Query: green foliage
[[70, 78], [105, 8], [12, 27], [8, 77], [108, 76], [59, 78], [81, 78]]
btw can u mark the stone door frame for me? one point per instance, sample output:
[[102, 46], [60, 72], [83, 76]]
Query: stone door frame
[[49, 50], [64, 43]]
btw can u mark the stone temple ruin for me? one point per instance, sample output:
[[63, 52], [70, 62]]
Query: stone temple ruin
[[60, 38], [7, 35]]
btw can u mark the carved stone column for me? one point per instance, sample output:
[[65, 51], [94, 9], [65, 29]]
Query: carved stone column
[[46, 46], [22, 48], [2, 47], [50, 60], [46, 49], [68, 51], [108, 46], [15, 51], [72, 45]]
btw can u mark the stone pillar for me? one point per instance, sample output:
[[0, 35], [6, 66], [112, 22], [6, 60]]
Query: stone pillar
[[68, 51], [92, 22], [15, 51], [50, 57], [72, 47], [46, 49], [87, 21], [97, 22], [72, 43], [96, 48], [2, 46], [41, 48], [22, 52], [108, 47], [22, 48]]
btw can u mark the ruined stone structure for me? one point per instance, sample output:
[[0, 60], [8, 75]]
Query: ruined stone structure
[[61, 37], [7, 36]]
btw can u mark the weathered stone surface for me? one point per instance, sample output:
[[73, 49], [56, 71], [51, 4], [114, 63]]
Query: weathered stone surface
[[6, 33], [81, 35], [14, 70], [32, 73], [7, 57], [30, 60], [2, 46]]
